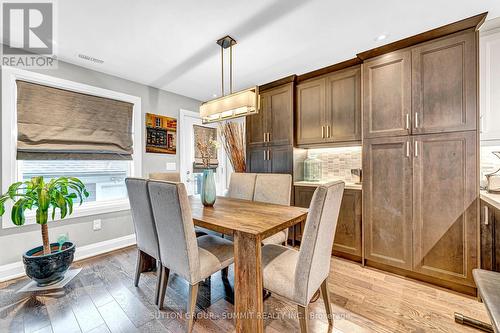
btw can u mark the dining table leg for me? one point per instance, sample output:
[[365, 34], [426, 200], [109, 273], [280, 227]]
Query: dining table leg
[[249, 304]]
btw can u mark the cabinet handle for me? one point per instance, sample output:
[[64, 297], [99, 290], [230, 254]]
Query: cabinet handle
[[416, 148], [407, 148], [268, 155], [407, 121], [268, 137], [486, 215], [265, 155], [322, 132], [416, 119], [328, 131], [264, 136]]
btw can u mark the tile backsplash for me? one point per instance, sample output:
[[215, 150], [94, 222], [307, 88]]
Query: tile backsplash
[[336, 163], [489, 162]]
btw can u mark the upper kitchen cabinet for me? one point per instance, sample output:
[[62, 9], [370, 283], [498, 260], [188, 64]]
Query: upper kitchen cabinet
[[311, 118], [489, 65], [387, 95], [444, 84], [329, 108], [343, 105], [273, 125]]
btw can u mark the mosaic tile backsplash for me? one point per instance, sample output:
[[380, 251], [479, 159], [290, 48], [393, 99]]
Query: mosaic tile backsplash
[[336, 163]]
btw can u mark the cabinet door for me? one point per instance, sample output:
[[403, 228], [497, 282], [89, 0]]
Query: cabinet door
[[279, 115], [257, 160], [387, 201], [303, 197], [281, 159], [255, 126], [487, 229], [348, 233], [387, 95], [489, 65], [311, 112], [444, 82], [343, 105], [445, 206]]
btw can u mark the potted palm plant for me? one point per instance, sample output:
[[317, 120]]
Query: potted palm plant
[[48, 263]]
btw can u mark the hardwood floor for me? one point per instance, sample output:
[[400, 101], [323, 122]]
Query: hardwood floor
[[102, 298]]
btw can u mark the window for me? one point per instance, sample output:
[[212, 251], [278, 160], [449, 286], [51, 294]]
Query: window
[[104, 177], [105, 180]]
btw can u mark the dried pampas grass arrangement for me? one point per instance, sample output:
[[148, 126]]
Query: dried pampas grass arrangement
[[233, 138]]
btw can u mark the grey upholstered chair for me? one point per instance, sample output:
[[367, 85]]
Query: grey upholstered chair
[[275, 189], [194, 259], [297, 275], [166, 176], [145, 229], [241, 186]]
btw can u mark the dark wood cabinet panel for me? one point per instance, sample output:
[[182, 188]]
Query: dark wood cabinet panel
[[387, 95], [348, 233], [343, 105], [311, 118], [279, 115], [280, 159], [255, 126], [445, 205], [444, 84], [488, 229], [387, 201], [257, 160]]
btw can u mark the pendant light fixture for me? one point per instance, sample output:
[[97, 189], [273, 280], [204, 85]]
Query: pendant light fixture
[[238, 104]]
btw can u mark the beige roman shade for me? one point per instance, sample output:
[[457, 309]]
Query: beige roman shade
[[60, 124]]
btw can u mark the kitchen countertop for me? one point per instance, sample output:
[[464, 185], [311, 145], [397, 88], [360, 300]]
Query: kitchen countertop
[[348, 186], [490, 198]]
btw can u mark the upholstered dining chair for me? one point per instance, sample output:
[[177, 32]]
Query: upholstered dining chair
[[145, 229], [297, 275], [193, 259], [241, 186], [275, 189], [166, 176]]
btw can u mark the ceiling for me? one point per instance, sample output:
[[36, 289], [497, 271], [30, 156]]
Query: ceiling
[[171, 44]]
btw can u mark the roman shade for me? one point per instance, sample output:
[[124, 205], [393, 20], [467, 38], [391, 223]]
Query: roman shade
[[60, 124]]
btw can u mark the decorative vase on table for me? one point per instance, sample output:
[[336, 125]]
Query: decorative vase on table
[[208, 191]]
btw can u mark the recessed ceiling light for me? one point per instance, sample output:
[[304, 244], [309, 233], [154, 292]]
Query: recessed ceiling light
[[380, 37], [214, 95]]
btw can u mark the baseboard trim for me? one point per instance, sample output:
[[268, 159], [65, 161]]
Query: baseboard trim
[[16, 269]]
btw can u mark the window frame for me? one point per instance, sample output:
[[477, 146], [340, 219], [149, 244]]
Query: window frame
[[9, 136]]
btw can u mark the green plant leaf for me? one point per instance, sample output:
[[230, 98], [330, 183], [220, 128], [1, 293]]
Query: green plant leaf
[[17, 214], [41, 216], [12, 191], [43, 200], [2, 208]]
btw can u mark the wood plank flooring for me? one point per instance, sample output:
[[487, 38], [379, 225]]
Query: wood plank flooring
[[102, 298]]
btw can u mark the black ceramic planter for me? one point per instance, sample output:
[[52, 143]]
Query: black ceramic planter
[[47, 269]]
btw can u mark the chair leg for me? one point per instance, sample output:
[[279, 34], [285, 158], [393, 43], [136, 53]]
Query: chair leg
[[138, 267], [326, 299], [303, 318], [159, 273], [193, 293], [225, 272], [165, 272]]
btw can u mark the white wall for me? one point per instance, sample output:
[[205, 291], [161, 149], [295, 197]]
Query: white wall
[[14, 241]]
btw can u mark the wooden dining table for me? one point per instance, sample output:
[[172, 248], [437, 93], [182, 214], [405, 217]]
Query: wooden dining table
[[249, 222]]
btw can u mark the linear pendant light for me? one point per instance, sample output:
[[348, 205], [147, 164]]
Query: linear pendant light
[[238, 104]]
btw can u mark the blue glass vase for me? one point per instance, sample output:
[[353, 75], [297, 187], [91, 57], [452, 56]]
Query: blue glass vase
[[208, 192]]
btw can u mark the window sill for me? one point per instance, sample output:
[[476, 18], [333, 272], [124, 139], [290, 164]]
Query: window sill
[[89, 209]]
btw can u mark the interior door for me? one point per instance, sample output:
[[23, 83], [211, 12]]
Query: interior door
[[311, 112], [190, 177], [343, 105], [387, 95], [444, 82], [445, 205], [387, 201], [279, 115]]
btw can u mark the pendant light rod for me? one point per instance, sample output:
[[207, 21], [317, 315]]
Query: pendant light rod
[[224, 43]]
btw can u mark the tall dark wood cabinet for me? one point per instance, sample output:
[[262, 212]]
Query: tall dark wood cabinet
[[329, 109], [387, 201], [420, 160], [490, 237], [270, 132]]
